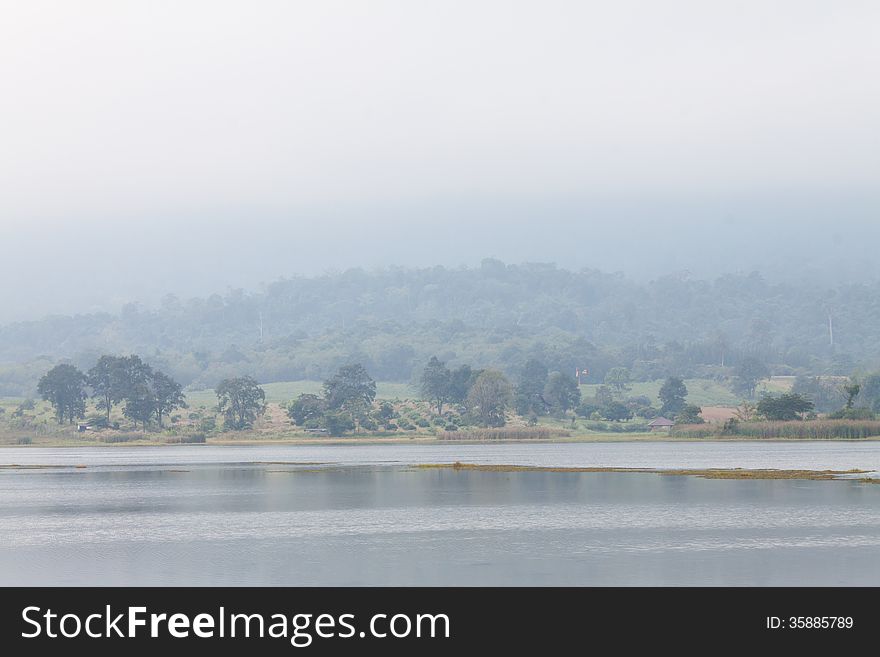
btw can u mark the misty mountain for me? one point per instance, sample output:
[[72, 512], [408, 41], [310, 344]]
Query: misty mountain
[[394, 319]]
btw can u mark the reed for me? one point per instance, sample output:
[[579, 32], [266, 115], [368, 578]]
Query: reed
[[801, 430], [504, 433]]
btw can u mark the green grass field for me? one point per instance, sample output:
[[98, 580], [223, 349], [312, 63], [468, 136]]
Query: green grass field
[[702, 392], [285, 391]]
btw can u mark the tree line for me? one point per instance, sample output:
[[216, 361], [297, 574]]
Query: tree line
[[465, 396], [144, 393]]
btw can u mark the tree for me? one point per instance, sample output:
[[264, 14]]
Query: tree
[[673, 393], [851, 390], [870, 392], [435, 383], [338, 422], [306, 408], [562, 392], [240, 400], [746, 412], [460, 382], [788, 406], [826, 396], [489, 398], [350, 389], [529, 397], [136, 384], [64, 386], [109, 382], [616, 411], [167, 394], [690, 414], [618, 378], [385, 413], [747, 375], [141, 403]]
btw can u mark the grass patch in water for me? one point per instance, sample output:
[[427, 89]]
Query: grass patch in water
[[705, 473]]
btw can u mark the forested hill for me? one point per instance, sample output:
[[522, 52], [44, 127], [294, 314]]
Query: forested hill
[[393, 320]]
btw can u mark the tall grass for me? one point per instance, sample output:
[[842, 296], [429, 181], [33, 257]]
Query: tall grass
[[808, 430], [503, 433], [122, 437], [186, 439]]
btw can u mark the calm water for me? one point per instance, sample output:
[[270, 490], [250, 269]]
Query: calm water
[[228, 516]]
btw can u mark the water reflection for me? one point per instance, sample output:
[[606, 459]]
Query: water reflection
[[273, 524]]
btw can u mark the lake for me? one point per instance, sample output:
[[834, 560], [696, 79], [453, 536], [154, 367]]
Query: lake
[[361, 515]]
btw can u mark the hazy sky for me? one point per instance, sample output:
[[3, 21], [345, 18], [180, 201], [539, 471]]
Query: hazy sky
[[186, 146]]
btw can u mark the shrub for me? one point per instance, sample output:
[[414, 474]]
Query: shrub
[[338, 423], [422, 422]]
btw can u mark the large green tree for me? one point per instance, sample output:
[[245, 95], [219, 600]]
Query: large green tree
[[64, 386], [240, 400], [618, 378], [529, 396], [673, 393], [788, 406], [562, 392], [747, 374], [461, 380], [109, 382], [351, 389], [140, 403], [168, 394], [435, 383], [489, 398], [307, 408]]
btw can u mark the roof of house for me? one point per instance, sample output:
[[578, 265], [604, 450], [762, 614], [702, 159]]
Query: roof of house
[[661, 422]]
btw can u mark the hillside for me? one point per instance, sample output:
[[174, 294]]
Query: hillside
[[498, 315]]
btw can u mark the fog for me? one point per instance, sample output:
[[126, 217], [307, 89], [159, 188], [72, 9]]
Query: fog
[[189, 147]]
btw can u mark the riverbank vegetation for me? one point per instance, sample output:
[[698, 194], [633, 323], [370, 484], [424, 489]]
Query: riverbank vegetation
[[121, 399]]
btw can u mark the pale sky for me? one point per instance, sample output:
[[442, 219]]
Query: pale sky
[[232, 142]]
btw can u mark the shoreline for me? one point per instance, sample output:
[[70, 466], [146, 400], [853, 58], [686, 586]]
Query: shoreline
[[425, 440]]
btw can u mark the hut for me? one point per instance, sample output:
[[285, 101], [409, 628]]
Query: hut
[[660, 424]]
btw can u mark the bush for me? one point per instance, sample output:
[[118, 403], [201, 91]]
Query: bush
[[338, 423], [24, 440], [422, 422], [647, 412]]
